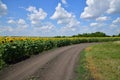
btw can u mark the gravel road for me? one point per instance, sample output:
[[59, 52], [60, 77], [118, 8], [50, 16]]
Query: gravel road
[[56, 64]]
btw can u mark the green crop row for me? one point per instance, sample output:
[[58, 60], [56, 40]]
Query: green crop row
[[15, 51]]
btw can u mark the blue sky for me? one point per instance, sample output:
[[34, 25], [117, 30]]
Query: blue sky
[[58, 17]]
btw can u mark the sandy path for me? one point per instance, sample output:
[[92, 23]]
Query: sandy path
[[55, 64]]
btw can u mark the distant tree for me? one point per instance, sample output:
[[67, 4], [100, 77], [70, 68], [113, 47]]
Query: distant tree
[[119, 34], [99, 34], [60, 36], [57, 37], [113, 35], [96, 34]]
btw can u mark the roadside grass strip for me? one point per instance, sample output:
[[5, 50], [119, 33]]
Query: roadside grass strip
[[100, 62]]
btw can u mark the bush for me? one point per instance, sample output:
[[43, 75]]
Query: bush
[[14, 52], [49, 44], [36, 47]]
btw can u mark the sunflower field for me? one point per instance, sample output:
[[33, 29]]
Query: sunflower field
[[16, 49]]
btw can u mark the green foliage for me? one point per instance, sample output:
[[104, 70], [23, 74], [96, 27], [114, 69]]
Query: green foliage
[[2, 63], [36, 47], [14, 52], [64, 42], [49, 45]]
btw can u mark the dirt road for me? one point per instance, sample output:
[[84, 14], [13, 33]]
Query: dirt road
[[57, 64]]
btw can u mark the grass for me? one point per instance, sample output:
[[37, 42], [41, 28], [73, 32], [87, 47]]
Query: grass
[[82, 72], [100, 62]]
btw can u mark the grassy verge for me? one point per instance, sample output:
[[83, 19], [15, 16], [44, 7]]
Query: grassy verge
[[100, 62], [82, 72]]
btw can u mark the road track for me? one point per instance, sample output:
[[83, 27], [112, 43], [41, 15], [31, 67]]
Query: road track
[[56, 64]]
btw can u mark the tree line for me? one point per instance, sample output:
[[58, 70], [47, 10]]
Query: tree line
[[95, 34]]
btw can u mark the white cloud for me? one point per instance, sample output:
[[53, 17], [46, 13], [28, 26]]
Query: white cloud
[[21, 21], [116, 21], [31, 9], [114, 6], [22, 24], [11, 21], [15, 28], [97, 24], [64, 18], [3, 9], [104, 18], [47, 27], [96, 8], [6, 29], [113, 26], [61, 13], [35, 15], [14, 31], [19, 24], [64, 2], [93, 24]]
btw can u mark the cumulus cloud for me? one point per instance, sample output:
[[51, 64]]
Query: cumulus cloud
[[115, 26], [5, 29], [94, 24], [103, 18], [20, 24], [3, 9], [114, 6], [15, 27], [116, 21], [47, 27], [64, 1], [11, 21], [35, 15], [65, 18], [61, 13], [96, 8], [21, 21]]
